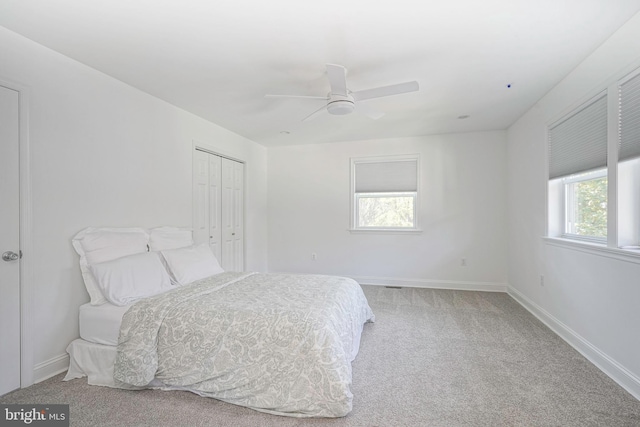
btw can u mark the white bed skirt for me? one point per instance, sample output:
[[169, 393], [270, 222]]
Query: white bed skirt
[[94, 361]]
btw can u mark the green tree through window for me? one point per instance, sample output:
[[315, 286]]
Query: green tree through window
[[394, 211], [590, 198]]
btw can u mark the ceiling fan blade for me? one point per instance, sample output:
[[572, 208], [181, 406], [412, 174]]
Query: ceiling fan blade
[[296, 96], [379, 92], [337, 79], [316, 113], [368, 111]]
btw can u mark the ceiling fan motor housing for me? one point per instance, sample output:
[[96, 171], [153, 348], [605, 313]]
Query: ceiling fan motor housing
[[339, 105]]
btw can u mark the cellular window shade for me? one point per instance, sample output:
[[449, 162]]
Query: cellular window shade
[[579, 143], [387, 176], [629, 130]]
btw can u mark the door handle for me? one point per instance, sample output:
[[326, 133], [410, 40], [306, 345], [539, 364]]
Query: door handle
[[10, 256]]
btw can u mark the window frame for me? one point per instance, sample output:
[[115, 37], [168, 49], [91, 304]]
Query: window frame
[[354, 196], [618, 244]]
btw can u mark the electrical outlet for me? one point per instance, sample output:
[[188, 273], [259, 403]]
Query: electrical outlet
[[463, 262], [541, 280], [314, 256]]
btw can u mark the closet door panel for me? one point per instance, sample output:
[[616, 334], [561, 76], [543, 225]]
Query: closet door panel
[[200, 197], [238, 215], [233, 215], [215, 232]]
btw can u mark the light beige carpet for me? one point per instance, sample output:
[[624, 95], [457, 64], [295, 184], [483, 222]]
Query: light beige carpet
[[433, 358]]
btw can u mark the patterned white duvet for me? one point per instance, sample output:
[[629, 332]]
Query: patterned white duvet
[[272, 342]]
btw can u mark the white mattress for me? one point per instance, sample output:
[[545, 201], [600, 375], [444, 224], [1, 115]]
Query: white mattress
[[100, 324]]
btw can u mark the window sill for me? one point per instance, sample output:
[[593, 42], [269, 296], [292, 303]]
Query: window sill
[[384, 231], [628, 255]]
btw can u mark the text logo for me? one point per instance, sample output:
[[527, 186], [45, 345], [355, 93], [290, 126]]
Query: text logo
[[34, 415]]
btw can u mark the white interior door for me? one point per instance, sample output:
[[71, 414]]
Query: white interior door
[[232, 215], [215, 233], [238, 215], [9, 241], [200, 197], [206, 200]]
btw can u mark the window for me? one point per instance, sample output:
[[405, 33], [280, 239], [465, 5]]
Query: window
[[384, 193], [586, 206], [594, 169], [578, 173], [628, 178], [385, 210]]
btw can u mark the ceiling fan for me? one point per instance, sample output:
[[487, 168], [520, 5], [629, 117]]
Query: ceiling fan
[[342, 101]]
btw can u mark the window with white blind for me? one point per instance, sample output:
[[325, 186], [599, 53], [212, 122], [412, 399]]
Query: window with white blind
[[384, 193], [578, 170], [628, 183], [594, 169]]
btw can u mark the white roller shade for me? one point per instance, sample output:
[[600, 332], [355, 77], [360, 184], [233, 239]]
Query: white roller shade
[[629, 130], [579, 143], [386, 176]]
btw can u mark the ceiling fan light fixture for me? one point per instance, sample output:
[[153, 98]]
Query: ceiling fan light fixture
[[341, 107], [341, 101]]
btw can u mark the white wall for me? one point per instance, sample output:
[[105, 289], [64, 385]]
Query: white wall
[[462, 213], [106, 154], [591, 300]]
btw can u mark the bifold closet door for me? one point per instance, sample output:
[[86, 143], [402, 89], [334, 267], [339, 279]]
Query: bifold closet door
[[218, 207]]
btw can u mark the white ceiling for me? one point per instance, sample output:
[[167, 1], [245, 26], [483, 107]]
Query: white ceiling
[[218, 59]]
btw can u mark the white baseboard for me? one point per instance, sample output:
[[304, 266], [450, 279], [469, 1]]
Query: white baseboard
[[606, 364], [51, 367], [432, 284]]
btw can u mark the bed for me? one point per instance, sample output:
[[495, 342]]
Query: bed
[[276, 343]]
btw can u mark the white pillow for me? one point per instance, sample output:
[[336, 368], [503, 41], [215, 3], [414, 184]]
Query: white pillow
[[190, 264], [96, 245], [163, 238], [128, 279]]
